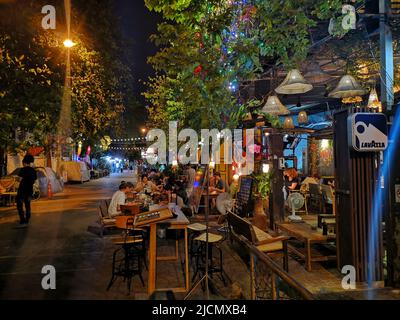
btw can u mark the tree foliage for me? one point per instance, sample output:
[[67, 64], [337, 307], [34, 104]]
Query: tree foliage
[[207, 48], [33, 64]]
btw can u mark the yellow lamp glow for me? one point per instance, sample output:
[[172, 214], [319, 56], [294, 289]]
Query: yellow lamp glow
[[68, 43], [324, 144], [212, 164], [265, 168]]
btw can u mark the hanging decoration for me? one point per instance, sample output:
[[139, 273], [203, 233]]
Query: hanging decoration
[[373, 100], [294, 83], [275, 107], [347, 87], [302, 118], [288, 123]]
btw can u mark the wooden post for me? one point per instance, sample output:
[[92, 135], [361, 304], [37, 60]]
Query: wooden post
[[356, 177], [252, 278], [277, 211]]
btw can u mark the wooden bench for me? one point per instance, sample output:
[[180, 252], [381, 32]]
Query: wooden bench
[[240, 228]]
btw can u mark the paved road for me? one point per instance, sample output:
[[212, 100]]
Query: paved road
[[60, 235]]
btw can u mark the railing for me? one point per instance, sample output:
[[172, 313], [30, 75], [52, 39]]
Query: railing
[[268, 280]]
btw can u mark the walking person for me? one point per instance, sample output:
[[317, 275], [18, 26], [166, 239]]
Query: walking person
[[25, 190]]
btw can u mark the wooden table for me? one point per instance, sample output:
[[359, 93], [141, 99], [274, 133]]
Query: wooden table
[[303, 232], [178, 223]]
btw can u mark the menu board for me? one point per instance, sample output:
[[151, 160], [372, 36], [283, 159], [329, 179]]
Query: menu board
[[244, 194]]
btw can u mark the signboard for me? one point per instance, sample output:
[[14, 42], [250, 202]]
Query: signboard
[[367, 132], [397, 193]]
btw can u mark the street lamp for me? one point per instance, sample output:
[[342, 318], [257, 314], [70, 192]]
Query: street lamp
[[68, 43]]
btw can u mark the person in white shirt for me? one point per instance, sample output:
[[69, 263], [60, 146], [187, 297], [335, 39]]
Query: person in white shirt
[[118, 199]]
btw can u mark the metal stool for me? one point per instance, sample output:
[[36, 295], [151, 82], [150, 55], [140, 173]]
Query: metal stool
[[201, 259], [196, 229]]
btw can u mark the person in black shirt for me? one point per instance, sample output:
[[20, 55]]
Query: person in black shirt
[[25, 190], [291, 180]]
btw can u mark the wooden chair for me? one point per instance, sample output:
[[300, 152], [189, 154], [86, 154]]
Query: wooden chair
[[265, 242], [328, 198], [104, 219], [9, 189], [315, 197]]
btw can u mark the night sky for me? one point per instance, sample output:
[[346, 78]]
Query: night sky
[[137, 24]]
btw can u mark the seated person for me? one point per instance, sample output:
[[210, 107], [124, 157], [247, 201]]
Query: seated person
[[118, 199], [291, 180], [145, 186], [220, 185], [307, 181]]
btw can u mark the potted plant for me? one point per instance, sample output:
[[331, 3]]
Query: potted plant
[[261, 198]]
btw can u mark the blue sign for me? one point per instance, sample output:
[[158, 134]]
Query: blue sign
[[367, 132]]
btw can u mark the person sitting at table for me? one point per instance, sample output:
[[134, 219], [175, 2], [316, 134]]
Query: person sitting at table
[[291, 180], [220, 187], [145, 186], [119, 198], [309, 180]]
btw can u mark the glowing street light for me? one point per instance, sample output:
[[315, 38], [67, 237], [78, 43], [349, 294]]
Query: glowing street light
[[68, 43]]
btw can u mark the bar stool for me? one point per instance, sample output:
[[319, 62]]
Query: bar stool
[[201, 260], [195, 230], [129, 263]]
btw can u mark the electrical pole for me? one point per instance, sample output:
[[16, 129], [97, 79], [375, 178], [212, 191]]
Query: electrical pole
[[386, 52]]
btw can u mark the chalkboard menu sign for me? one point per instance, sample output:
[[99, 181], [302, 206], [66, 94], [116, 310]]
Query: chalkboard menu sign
[[244, 195]]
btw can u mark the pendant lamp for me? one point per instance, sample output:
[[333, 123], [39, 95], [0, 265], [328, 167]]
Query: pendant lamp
[[347, 87], [288, 123], [315, 74], [373, 100], [294, 83], [275, 107], [302, 118]]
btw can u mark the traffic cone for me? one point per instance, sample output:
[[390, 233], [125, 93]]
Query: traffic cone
[[49, 190]]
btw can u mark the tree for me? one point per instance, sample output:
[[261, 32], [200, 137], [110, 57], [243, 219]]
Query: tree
[[33, 62], [207, 48]]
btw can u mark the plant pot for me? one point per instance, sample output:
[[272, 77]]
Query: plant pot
[[260, 219]]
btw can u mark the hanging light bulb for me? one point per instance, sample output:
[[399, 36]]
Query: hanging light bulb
[[294, 83], [212, 164], [275, 107], [265, 167], [302, 118], [347, 87], [288, 123], [236, 177]]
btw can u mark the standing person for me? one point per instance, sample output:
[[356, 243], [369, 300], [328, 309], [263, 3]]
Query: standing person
[[25, 189]]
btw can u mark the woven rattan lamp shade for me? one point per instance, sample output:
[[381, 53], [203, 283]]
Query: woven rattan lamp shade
[[275, 107], [294, 83], [347, 87]]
